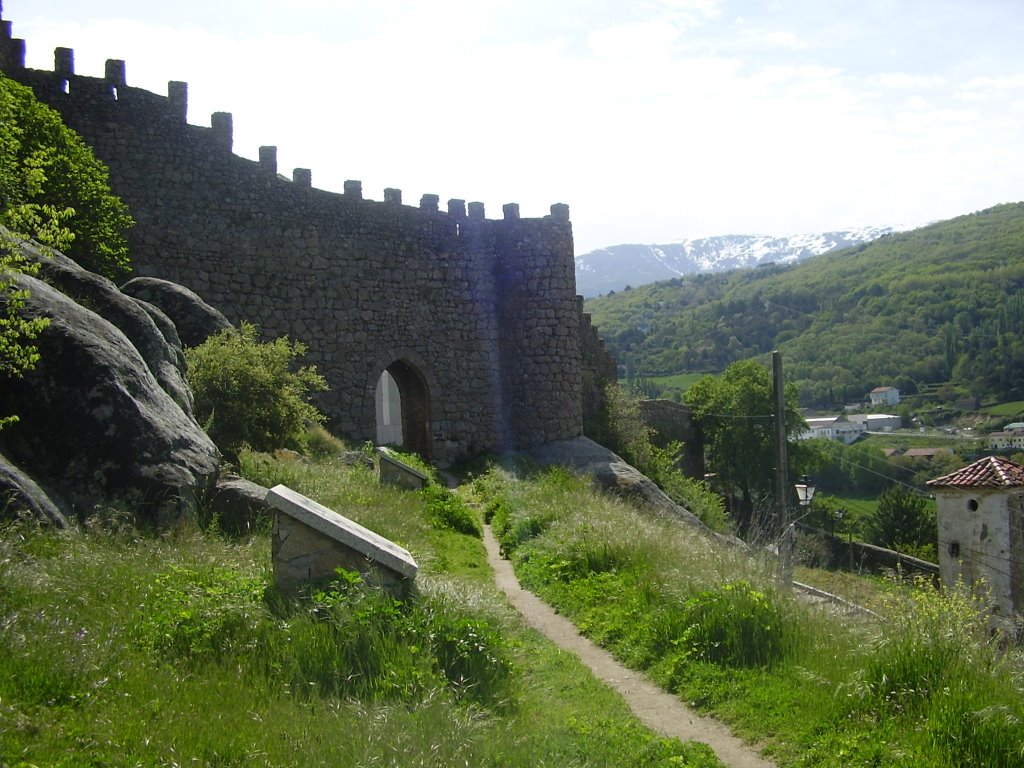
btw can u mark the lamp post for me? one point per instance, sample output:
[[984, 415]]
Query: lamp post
[[804, 493], [840, 516]]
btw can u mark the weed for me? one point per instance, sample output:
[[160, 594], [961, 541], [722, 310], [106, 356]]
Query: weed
[[447, 510], [200, 614], [736, 625]]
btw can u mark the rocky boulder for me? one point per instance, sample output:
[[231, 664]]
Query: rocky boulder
[[239, 504], [105, 415], [20, 494], [612, 473], [151, 333], [195, 320]]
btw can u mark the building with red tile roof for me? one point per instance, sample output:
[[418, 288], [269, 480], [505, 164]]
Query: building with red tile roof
[[981, 530]]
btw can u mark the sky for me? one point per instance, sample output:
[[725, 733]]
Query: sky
[[654, 120]]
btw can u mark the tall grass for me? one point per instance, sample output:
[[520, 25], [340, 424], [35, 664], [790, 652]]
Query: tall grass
[[123, 649], [927, 686]]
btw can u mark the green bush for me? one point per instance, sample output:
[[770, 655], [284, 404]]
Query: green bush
[[633, 440], [446, 510], [691, 494], [247, 393], [201, 614], [17, 353], [321, 443], [904, 520], [736, 625]]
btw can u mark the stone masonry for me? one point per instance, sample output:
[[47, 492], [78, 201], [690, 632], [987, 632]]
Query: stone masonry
[[476, 319]]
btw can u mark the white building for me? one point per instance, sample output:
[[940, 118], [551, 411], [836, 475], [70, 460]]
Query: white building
[[833, 428], [884, 396], [1006, 441], [877, 422], [980, 519]]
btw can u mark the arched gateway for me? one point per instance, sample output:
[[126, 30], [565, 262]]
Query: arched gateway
[[402, 408]]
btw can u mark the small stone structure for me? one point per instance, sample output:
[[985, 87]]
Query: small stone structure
[[981, 530], [393, 471], [310, 542]]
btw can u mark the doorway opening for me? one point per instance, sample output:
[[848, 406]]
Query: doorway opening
[[403, 409]]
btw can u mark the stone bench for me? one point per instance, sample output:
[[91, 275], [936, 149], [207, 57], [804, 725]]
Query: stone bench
[[393, 471], [310, 541]]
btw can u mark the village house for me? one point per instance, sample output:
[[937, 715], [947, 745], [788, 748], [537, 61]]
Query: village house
[[1012, 440], [884, 396], [833, 428]]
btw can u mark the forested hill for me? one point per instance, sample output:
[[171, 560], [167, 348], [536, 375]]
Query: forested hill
[[941, 303]]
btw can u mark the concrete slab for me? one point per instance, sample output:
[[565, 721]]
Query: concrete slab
[[345, 532]]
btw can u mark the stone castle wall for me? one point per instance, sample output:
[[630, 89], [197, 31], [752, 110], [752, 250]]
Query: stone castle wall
[[483, 312]]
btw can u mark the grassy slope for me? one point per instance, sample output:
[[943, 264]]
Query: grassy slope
[[124, 650], [925, 687], [846, 321], [117, 653]]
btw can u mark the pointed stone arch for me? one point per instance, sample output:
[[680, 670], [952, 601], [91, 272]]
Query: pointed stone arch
[[412, 416]]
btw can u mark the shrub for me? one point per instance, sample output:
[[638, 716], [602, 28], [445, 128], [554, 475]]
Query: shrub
[[247, 393], [632, 438], [693, 495], [736, 625], [17, 354], [321, 443], [903, 520], [447, 510]]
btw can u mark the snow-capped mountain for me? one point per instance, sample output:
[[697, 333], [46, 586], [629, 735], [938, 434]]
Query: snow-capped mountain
[[615, 267]]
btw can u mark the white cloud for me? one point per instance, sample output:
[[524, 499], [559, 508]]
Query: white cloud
[[907, 81], [654, 120]]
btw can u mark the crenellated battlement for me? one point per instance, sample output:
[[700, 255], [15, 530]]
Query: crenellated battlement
[[476, 320], [136, 106]]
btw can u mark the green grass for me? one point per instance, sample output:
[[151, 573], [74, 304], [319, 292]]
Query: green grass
[[679, 382], [124, 649], [1010, 410], [926, 686]]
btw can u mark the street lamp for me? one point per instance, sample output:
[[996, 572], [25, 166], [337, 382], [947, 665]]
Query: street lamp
[[804, 493]]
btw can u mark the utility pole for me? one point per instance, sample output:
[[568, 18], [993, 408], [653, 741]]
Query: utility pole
[[781, 474]]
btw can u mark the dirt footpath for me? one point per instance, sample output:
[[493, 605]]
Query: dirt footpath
[[661, 712]]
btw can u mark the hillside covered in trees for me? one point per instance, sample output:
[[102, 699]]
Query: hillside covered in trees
[[944, 303]]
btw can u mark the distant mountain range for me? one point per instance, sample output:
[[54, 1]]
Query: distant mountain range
[[618, 266], [934, 309]]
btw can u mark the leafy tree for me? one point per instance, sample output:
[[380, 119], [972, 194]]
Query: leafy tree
[[632, 438], [53, 189], [247, 393], [735, 413], [17, 354], [847, 469], [903, 520]]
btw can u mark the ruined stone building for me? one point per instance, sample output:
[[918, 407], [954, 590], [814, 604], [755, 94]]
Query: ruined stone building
[[475, 320]]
